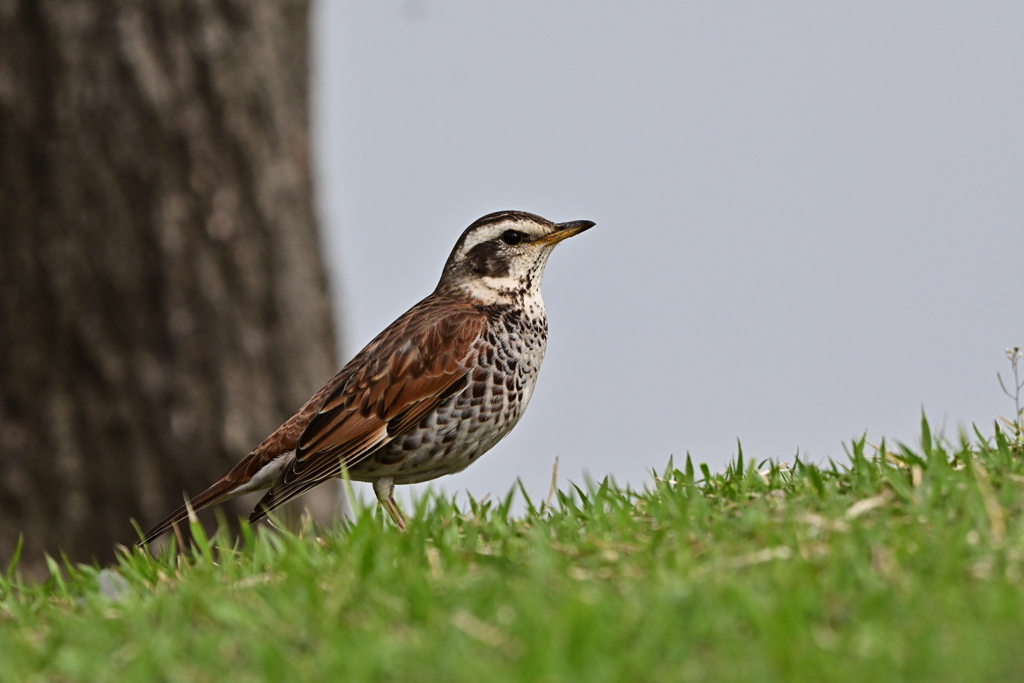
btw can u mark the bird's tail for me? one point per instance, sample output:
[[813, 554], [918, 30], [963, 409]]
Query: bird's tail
[[276, 497], [217, 493]]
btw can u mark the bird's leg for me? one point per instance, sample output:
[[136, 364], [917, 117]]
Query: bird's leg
[[396, 512], [384, 488]]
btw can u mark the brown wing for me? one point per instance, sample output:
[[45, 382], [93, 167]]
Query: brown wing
[[392, 384]]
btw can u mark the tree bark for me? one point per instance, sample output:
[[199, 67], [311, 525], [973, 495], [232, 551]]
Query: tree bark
[[163, 304]]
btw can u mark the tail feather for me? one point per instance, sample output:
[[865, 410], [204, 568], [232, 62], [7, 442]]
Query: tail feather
[[217, 493], [275, 498]]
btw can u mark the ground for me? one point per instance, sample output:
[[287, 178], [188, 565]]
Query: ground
[[897, 564]]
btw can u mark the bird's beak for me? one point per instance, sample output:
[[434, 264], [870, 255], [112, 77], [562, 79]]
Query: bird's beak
[[566, 230]]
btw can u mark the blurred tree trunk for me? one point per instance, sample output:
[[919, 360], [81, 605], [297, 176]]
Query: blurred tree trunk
[[163, 304]]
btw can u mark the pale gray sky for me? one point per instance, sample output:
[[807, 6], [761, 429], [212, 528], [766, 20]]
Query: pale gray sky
[[810, 216]]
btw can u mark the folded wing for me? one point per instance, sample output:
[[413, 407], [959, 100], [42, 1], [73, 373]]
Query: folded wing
[[397, 380]]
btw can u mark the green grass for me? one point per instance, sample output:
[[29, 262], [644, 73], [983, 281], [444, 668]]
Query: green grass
[[903, 567]]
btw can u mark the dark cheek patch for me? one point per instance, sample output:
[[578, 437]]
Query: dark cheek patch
[[487, 259]]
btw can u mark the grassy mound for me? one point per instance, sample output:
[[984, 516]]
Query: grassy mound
[[898, 565]]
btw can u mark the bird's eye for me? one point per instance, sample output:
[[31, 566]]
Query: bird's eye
[[511, 237]]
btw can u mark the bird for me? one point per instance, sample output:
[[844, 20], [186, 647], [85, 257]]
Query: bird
[[430, 394]]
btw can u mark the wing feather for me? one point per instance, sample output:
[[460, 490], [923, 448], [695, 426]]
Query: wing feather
[[389, 387]]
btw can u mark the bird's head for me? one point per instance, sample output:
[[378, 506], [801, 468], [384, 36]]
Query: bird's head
[[502, 256]]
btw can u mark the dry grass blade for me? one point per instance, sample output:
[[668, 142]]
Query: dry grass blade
[[867, 505], [996, 516]]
